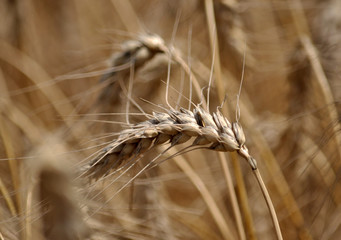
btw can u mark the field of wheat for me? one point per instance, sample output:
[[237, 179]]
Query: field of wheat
[[161, 119]]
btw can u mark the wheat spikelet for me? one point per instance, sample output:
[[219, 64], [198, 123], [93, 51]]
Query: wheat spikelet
[[174, 127]]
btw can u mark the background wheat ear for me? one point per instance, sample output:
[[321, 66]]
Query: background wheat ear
[[54, 200]]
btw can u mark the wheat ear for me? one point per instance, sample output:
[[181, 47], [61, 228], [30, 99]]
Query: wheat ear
[[174, 127]]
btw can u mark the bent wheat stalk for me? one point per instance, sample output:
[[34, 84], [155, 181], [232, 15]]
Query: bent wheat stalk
[[177, 127]]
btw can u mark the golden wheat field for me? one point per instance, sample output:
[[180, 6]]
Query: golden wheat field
[[130, 119]]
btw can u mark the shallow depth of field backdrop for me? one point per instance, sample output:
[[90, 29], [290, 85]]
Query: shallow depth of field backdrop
[[55, 113]]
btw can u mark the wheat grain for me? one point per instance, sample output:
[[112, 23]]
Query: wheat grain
[[174, 127]]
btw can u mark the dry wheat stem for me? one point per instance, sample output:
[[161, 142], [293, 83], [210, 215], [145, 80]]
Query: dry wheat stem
[[216, 69], [269, 203], [233, 197], [207, 197]]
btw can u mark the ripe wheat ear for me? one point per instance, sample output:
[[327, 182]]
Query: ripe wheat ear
[[174, 127]]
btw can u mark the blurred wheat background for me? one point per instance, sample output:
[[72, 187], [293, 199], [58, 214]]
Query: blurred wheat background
[[63, 97]]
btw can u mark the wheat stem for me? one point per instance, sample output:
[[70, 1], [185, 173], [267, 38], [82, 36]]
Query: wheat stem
[[243, 197], [205, 193], [233, 197], [127, 15], [212, 28], [268, 203]]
